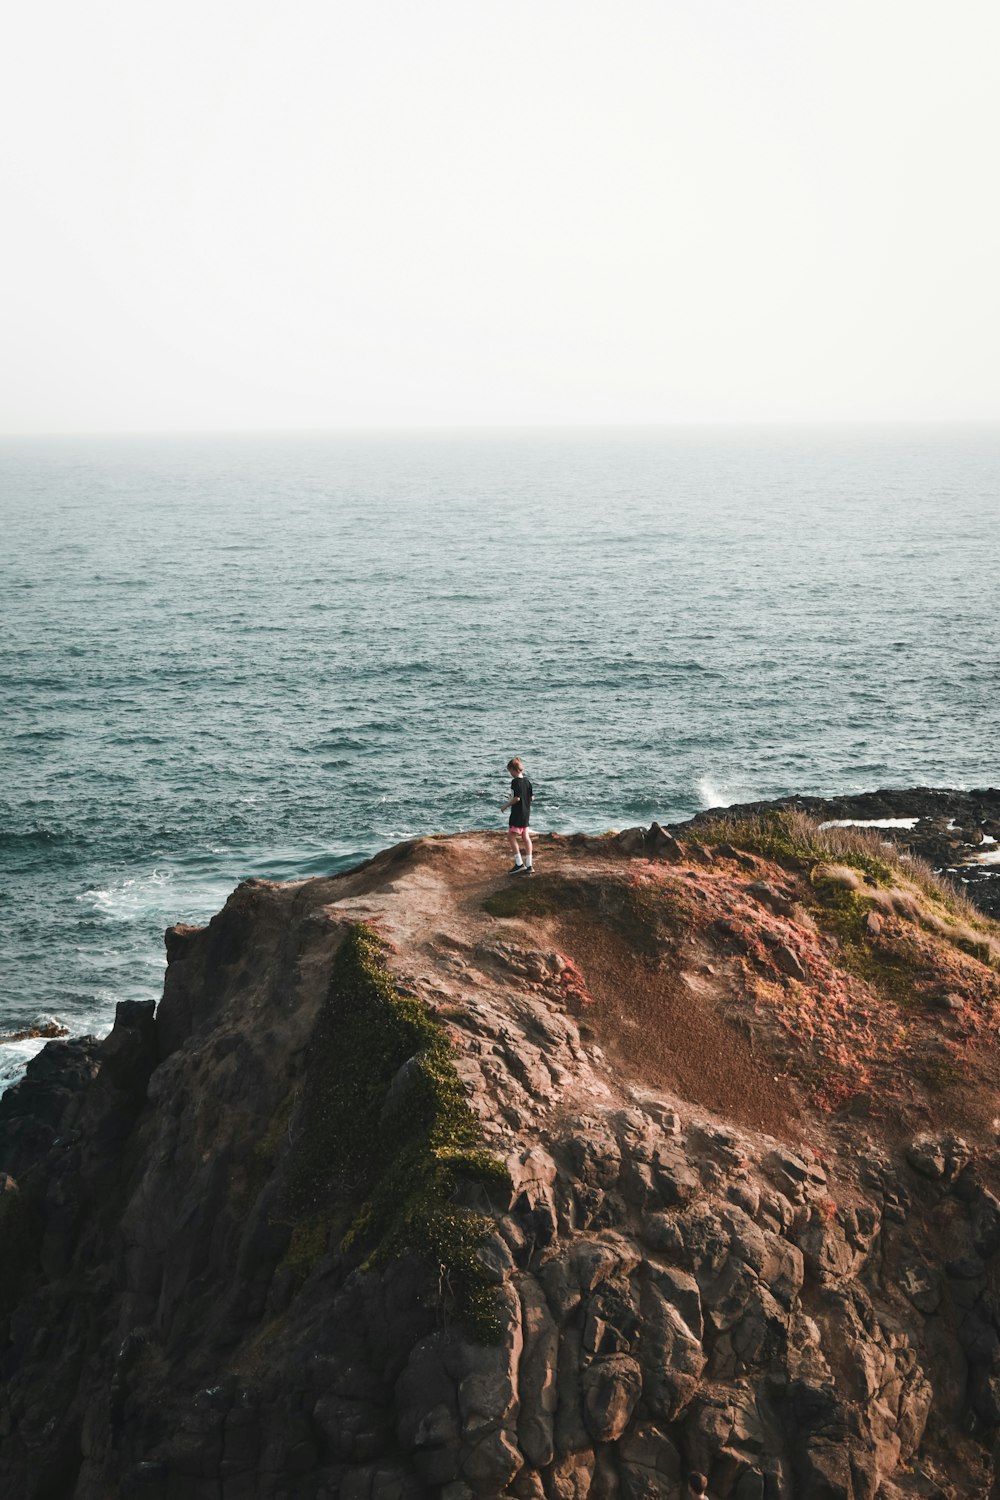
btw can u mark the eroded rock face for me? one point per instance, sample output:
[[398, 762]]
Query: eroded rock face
[[670, 1291]]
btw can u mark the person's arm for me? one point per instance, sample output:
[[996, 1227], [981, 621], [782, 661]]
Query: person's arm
[[509, 803]]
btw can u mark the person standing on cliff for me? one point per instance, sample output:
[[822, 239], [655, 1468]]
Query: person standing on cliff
[[518, 828]]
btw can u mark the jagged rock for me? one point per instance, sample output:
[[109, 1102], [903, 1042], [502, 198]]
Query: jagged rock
[[572, 1477], [47, 1101], [595, 1158], [48, 1028], [603, 1258], [662, 845], [984, 1214], [632, 840], [926, 1156], [681, 1291], [773, 1260], [789, 963], [659, 1176], [526, 1485], [650, 1465], [745, 1194], [495, 1258], [537, 1377], [611, 1388], [826, 1250], [771, 898], [571, 1435], [937, 1157], [921, 1284], [984, 1394], [729, 1436], [671, 1357]]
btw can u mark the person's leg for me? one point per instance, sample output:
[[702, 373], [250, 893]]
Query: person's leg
[[515, 847], [527, 849]]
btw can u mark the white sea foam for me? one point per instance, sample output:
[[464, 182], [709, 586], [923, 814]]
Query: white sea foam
[[709, 795], [94, 1021], [129, 899], [162, 895], [15, 1056]]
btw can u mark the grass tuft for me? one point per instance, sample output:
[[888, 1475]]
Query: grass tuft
[[793, 837]]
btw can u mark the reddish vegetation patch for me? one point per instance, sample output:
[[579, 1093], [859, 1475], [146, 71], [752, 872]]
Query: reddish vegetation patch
[[573, 985]]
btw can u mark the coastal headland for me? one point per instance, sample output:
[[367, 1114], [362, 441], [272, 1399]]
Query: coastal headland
[[425, 1180]]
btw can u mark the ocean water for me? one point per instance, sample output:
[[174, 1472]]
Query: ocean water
[[235, 656]]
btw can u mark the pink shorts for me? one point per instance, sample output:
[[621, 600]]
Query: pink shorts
[[519, 831]]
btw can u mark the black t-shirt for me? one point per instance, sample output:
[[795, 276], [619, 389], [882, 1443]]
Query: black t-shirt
[[520, 813]]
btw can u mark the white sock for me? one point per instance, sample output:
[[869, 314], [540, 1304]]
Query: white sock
[[528, 861], [517, 858]]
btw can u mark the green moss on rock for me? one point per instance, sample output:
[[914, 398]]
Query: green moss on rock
[[386, 1132], [890, 969]]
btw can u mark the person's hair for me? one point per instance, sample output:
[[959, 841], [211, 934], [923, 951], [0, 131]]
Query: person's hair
[[697, 1482], [514, 764]]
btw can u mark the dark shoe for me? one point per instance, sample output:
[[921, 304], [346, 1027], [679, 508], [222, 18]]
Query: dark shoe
[[516, 870], [529, 869]]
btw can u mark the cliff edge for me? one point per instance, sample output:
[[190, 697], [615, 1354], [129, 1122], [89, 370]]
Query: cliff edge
[[428, 1181]]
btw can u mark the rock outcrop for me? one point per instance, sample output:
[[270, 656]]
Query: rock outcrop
[[427, 1181]]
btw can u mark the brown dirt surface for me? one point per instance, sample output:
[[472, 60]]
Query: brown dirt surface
[[670, 1030], [686, 985]]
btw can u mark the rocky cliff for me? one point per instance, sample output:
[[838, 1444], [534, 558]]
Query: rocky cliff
[[423, 1180]]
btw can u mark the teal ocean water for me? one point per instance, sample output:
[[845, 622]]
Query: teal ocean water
[[225, 657]]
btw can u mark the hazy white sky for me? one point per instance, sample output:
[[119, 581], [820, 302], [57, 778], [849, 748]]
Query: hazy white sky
[[320, 213]]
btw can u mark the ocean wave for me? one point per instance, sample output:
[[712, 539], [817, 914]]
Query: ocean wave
[[303, 867], [14, 1058], [41, 835], [127, 899], [711, 795], [161, 896], [337, 742]]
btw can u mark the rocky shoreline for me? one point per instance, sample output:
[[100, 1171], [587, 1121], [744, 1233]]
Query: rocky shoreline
[[424, 1181]]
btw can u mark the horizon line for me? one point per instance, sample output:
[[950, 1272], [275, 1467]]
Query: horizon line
[[414, 428]]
